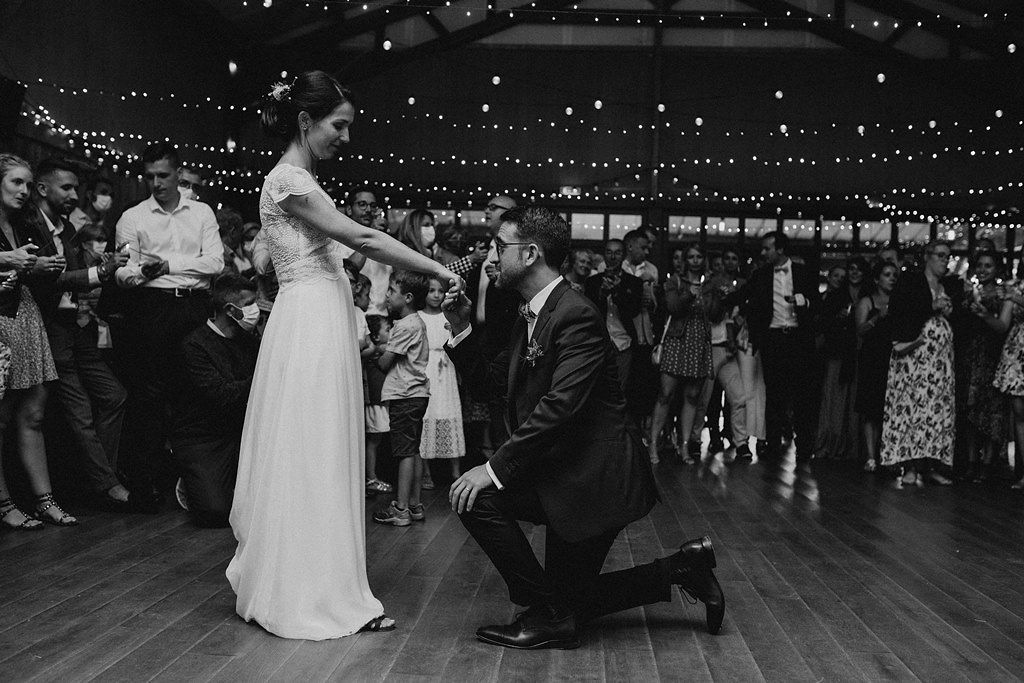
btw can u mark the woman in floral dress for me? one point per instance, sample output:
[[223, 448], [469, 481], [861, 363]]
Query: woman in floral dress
[[918, 427], [1009, 375]]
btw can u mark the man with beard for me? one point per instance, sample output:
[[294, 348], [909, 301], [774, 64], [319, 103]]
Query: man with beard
[[572, 462], [92, 399]]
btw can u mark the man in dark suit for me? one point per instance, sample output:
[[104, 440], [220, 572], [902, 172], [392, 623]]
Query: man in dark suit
[[208, 406], [571, 463], [780, 301], [91, 397], [619, 297]]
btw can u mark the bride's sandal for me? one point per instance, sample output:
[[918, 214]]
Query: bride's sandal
[[10, 514], [381, 623], [48, 511]]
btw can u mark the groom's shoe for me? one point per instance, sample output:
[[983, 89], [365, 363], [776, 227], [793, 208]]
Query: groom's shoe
[[536, 628], [690, 569]]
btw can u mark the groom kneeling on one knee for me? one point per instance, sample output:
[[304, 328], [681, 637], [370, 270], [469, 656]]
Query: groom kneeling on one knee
[[571, 463]]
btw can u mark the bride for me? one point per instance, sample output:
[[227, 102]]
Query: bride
[[298, 511]]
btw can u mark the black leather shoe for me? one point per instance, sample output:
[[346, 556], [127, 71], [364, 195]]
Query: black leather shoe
[[690, 569], [534, 629]]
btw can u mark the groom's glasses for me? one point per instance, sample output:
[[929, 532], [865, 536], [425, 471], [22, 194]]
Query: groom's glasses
[[500, 246]]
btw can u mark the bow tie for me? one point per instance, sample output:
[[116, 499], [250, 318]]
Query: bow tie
[[782, 269], [528, 315]]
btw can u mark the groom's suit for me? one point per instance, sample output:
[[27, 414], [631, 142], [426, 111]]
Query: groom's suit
[[570, 463]]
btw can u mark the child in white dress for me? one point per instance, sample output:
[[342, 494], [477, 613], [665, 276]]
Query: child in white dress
[[442, 424]]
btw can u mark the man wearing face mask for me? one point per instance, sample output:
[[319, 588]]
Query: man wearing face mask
[[97, 209], [210, 401], [190, 183], [92, 399]]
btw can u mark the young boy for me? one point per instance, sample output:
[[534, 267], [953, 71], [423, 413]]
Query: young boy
[[407, 391]]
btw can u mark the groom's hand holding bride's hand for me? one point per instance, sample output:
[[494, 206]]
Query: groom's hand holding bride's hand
[[457, 307], [464, 490]]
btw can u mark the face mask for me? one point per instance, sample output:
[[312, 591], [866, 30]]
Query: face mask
[[187, 192], [428, 235], [103, 202], [99, 246], [250, 316]]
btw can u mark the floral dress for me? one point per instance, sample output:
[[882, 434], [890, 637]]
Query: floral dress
[[686, 351], [919, 400], [987, 408], [1009, 373]]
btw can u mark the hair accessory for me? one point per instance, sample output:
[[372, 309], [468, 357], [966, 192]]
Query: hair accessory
[[279, 91]]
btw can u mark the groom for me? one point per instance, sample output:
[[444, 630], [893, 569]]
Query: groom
[[570, 463]]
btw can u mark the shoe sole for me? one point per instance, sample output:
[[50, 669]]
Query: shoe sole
[[546, 645], [393, 522]]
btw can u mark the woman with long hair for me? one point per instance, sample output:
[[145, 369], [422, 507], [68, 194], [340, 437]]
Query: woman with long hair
[[418, 231], [1009, 373], [686, 349], [31, 363], [298, 511], [874, 331]]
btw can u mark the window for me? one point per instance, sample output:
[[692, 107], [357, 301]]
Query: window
[[470, 217], [997, 234], [619, 224], [913, 233], [836, 231], [723, 227], [955, 234], [683, 227], [798, 228], [755, 227], [874, 233], [588, 226]]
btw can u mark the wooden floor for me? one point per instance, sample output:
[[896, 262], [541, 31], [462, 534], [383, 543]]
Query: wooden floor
[[828, 574]]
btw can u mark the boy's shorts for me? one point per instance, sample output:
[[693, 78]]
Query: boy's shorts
[[406, 417]]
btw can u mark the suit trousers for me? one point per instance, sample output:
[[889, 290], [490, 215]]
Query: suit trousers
[[156, 323], [571, 577], [790, 387], [208, 465], [91, 398]]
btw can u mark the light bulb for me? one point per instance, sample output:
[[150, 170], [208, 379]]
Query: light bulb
[[496, 80], [699, 121], [778, 94]]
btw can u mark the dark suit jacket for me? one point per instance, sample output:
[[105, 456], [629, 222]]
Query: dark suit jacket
[[758, 305], [210, 401], [47, 288], [501, 306], [911, 303], [567, 416], [627, 296]]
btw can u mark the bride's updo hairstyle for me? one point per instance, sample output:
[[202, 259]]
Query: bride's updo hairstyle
[[316, 92]]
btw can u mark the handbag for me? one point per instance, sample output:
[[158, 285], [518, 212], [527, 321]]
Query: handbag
[[656, 351]]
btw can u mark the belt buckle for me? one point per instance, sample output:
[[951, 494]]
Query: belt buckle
[[178, 293]]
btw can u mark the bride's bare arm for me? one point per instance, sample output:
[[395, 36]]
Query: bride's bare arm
[[314, 210]]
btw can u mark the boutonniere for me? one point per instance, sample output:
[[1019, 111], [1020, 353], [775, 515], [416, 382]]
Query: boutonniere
[[533, 353]]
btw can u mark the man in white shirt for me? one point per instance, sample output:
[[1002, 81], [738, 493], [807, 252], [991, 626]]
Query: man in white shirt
[[92, 399], [175, 251], [619, 297]]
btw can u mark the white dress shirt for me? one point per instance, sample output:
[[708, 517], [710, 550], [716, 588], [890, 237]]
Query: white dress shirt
[[94, 274], [536, 304], [783, 312], [187, 238], [648, 272]]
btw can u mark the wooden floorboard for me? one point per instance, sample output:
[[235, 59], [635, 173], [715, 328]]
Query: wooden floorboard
[[829, 574]]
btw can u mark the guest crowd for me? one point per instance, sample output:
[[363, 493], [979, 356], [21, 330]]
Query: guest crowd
[[128, 341]]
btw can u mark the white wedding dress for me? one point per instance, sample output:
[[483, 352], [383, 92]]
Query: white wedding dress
[[298, 511]]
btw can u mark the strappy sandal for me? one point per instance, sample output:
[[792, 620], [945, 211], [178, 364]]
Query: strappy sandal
[[7, 507], [380, 624], [45, 503]]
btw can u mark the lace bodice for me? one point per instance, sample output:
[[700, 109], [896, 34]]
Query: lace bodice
[[298, 251]]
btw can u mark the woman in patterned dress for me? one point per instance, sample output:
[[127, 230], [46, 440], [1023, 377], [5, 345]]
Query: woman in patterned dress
[[21, 329], [987, 407], [1009, 375], [686, 349], [918, 427]]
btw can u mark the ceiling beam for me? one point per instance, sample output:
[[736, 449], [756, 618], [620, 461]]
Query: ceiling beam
[[829, 30], [354, 22], [379, 61], [987, 41]]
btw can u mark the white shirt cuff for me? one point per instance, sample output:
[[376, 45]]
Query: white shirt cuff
[[490, 473], [94, 276], [454, 341]]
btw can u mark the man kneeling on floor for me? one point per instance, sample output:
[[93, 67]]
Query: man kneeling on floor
[[209, 406]]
